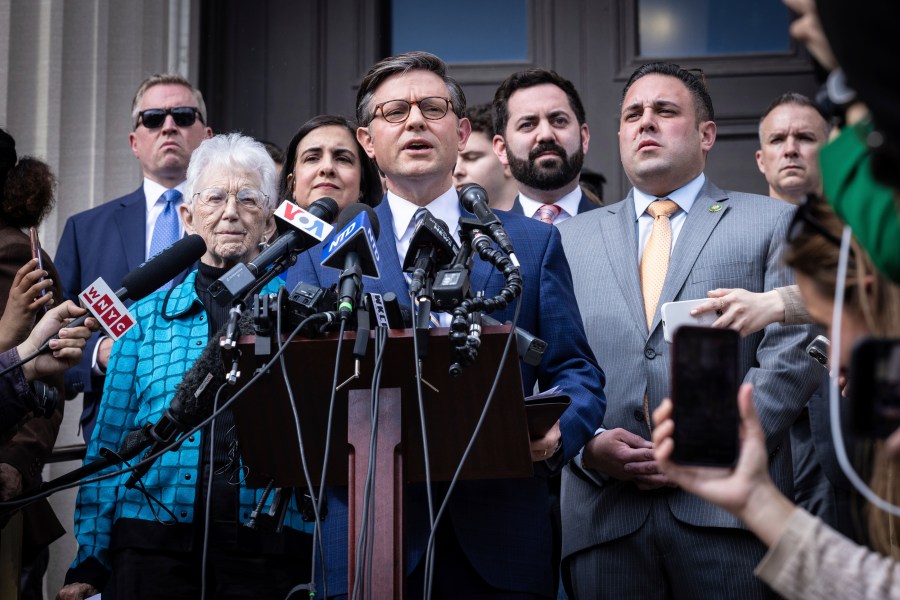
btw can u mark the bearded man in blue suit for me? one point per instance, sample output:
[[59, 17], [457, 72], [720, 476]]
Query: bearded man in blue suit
[[495, 540]]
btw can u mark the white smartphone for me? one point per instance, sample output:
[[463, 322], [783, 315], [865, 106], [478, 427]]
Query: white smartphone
[[676, 314]]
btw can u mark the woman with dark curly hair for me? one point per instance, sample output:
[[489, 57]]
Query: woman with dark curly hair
[[27, 187]]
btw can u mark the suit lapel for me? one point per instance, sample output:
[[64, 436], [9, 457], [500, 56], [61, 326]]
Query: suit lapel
[[392, 279], [585, 205], [517, 207], [618, 234], [695, 232], [131, 219]]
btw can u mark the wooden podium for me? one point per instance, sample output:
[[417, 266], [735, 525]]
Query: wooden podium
[[265, 427]]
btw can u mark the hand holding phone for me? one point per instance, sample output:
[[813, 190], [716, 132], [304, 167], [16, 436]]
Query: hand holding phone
[[705, 381], [676, 314], [36, 253]]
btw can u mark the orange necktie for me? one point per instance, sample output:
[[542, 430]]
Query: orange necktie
[[655, 261]]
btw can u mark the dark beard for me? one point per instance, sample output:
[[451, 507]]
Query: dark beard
[[550, 178]]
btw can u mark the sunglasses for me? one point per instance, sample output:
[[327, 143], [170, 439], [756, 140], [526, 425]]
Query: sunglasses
[[184, 116]]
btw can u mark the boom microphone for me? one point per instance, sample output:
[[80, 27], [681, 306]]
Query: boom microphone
[[151, 274], [354, 252], [474, 199], [193, 401], [299, 230], [431, 248]]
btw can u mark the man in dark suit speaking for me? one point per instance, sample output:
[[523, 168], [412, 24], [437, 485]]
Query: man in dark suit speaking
[[626, 532], [168, 122], [495, 539]]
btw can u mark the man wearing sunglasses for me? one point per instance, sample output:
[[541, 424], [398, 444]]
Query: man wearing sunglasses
[[168, 121]]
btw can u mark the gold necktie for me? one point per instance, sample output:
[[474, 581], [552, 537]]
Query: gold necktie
[[655, 261]]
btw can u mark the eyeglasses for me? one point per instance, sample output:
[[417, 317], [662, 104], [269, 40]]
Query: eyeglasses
[[184, 116], [805, 217], [397, 111], [245, 198]]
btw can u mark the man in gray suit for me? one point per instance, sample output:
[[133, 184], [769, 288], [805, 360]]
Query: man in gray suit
[[627, 532]]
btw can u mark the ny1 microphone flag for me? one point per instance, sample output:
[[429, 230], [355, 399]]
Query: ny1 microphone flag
[[359, 236]]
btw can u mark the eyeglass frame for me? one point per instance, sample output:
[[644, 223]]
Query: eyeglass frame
[[228, 194], [169, 111], [409, 108]]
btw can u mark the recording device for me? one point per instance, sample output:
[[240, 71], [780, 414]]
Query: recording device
[[818, 350], [531, 348], [44, 400], [431, 248], [676, 314], [36, 253], [706, 376], [474, 199], [150, 275], [874, 387], [298, 230], [354, 252]]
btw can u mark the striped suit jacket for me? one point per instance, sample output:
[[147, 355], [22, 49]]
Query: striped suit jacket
[[737, 245]]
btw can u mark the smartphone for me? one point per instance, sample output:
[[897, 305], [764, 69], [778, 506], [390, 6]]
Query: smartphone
[[676, 314], [874, 387], [706, 375], [36, 252], [818, 350]]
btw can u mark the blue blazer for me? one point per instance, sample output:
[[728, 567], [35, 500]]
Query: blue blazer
[[502, 526], [106, 241], [584, 205]]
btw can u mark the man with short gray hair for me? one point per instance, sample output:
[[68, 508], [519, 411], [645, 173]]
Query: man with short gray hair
[[168, 119]]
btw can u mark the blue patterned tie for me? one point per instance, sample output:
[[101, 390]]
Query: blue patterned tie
[[165, 232]]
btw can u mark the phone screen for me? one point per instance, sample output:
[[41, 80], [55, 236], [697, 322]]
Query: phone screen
[[874, 387], [705, 381]]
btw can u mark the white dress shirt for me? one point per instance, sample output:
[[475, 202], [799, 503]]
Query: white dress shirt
[[568, 203], [684, 197], [152, 193]]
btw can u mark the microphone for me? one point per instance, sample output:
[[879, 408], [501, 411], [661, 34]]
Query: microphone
[[151, 274], [298, 230], [474, 199], [354, 252], [431, 247], [193, 401]]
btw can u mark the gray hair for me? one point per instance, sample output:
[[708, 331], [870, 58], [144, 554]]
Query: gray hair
[[398, 65], [165, 79], [235, 153]]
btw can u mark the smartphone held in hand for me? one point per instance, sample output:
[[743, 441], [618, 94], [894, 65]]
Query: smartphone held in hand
[[706, 376]]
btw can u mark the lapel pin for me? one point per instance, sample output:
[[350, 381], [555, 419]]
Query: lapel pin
[[715, 208]]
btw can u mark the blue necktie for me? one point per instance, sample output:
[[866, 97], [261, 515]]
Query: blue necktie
[[166, 230]]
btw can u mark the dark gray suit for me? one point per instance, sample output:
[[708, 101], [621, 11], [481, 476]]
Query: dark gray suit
[[736, 245]]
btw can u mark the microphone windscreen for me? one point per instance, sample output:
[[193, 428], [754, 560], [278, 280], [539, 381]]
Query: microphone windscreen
[[325, 209], [471, 194], [349, 213], [163, 267]]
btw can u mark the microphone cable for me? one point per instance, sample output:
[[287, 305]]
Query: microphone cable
[[429, 550], [365, 541]]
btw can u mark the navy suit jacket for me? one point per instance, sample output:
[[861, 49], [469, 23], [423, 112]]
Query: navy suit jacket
[[584, 205], [503, 526], [106, 241]]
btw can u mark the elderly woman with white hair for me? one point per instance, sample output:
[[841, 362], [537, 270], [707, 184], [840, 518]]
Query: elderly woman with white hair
[[146, 542]]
